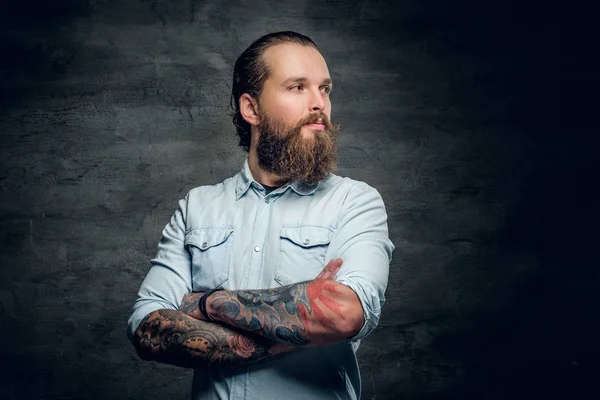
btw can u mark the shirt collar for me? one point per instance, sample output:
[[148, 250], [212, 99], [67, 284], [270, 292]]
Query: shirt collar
[[245, 180], [304, 189]]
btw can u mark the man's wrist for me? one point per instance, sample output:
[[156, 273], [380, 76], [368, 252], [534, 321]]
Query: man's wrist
[[203, 306]]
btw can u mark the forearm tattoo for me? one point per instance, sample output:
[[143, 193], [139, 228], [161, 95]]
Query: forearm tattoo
[[284, 315], [189, 305], [170, 336]]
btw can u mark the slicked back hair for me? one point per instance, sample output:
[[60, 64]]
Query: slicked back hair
[[250, 72]]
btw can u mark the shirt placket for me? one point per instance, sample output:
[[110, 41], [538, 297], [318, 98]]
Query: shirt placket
[[258, 238]]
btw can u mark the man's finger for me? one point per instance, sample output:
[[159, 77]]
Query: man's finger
[[334, 266], [324, 272], [330, 269]]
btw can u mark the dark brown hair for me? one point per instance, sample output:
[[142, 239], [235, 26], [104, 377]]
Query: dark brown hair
[[250, 72]]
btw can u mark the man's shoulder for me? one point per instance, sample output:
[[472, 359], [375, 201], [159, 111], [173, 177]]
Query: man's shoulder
[[346, 185], [214, 191]]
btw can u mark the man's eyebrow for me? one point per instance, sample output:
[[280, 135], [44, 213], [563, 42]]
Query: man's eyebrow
[[294, 79], [303, 79]]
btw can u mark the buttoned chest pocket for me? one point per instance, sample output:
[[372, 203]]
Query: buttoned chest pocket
[[302, 253], [210, 250]]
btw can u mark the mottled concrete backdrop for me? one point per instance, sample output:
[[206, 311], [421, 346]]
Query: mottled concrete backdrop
[[463, 114]]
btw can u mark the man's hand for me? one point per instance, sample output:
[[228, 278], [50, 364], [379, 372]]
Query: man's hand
[[189, 304]]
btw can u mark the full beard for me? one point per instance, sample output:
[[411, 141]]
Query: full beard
[[285, 152]]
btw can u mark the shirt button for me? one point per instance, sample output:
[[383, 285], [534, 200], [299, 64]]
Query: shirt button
[[257, 249], [306, 241], [204, 245], [266, 200]]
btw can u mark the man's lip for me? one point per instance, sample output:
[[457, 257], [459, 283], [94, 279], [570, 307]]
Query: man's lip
[[317, 125]]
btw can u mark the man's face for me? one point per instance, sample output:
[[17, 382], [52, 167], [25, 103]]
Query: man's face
[[296, 139]]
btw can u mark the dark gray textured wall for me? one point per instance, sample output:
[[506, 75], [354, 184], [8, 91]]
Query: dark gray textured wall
[[460, 113]]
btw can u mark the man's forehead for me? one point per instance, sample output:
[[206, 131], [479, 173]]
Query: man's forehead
[[290, 60]]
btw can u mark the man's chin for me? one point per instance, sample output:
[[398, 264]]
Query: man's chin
[[309, 133]]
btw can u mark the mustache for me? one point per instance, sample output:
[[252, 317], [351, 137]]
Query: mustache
[[313, 118]]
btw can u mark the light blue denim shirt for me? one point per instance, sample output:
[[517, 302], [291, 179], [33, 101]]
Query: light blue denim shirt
[[235, 236]]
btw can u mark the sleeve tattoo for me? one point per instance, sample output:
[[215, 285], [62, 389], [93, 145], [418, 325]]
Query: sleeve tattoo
[[172, 337], [283, 315]]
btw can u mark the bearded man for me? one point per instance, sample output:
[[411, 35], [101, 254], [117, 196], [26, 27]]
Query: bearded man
[[266, 283]]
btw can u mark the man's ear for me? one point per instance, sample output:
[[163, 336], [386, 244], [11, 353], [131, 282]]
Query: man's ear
[[249, 109]]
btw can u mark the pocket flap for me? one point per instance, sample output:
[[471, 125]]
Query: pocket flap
[[205, 238], [307, 235]]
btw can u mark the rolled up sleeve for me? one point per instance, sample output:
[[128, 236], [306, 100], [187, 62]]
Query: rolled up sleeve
[[169, 277], [362, 241]]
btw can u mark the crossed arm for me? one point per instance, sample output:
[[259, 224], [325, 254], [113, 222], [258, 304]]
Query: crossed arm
[[315, 312], [172, 337], [254, 324]]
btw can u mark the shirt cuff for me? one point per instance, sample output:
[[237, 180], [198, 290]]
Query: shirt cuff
[[371, 314], [141, 310]]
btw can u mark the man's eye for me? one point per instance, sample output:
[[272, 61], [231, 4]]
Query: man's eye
[[326, 89], [296, 87]]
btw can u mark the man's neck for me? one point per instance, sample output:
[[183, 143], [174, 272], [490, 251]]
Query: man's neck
[[260, 175]]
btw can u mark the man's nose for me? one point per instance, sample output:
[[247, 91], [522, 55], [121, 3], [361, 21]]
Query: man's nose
[[317, 101]]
